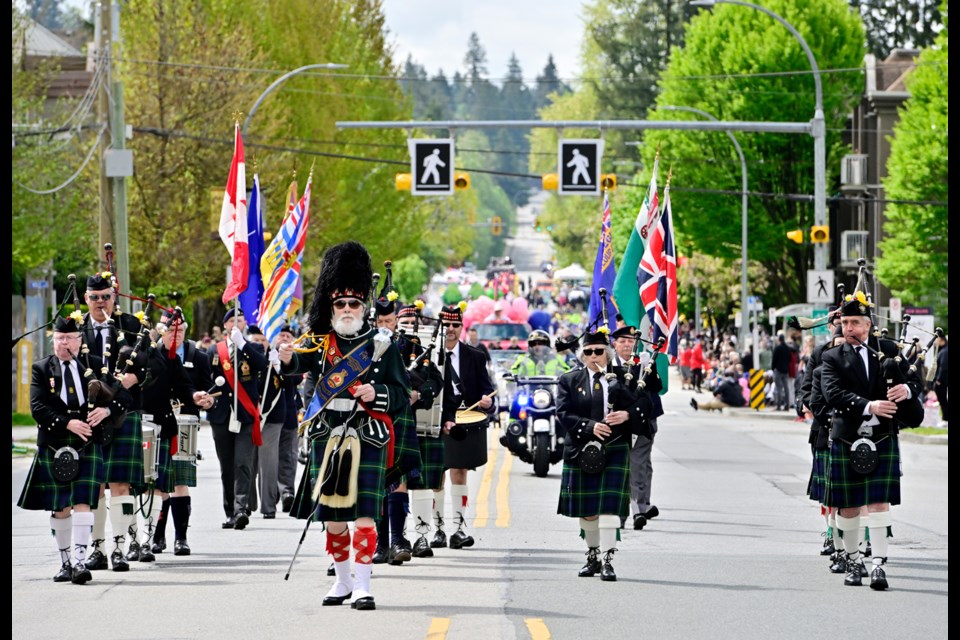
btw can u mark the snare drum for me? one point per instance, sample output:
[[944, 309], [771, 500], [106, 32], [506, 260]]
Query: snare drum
[[187, 430], [428, 421], [151, 448]]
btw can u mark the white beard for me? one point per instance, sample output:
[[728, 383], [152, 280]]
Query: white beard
[[347, 327]]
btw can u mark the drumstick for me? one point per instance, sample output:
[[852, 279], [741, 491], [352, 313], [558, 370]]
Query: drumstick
[[474, 405]]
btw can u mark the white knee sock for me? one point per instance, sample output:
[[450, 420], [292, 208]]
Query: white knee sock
[[122, 517], [438, 498], [832, 523], [361, 580], [344, 583], [152, 516], [608, 526], [421, 502], [82, 528], [826, 516], [879, 521], [62, 529], [591, 532], [864, 525], [852, 535], [458, 494], [100, 521]]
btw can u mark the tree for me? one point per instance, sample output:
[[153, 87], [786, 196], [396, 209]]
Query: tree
[[717, 71], [547, 83], [917, 170], [892, 24], [409, 277]]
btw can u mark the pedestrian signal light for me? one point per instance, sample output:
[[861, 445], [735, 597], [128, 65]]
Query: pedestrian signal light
[[796, 235], [404, 182], [461, 181], [819, 233], [608, 181], [496, 225], [551, 182]]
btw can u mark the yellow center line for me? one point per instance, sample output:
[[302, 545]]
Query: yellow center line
[[538, 630], [483, 495], [503, 491], [438, 629]]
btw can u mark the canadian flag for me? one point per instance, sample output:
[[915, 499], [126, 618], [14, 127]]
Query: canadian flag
[[233, 221]]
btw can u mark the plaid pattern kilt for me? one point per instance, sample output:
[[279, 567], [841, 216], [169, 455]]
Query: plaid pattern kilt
[[590, 494], [406, 450], [370, 486], [845, 488], [172, 473], [431, 467], [124, 457], [816, 487], [42, 492]]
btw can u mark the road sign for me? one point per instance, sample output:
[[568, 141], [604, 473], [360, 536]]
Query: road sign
[[754, 303], [822, 330], [896, 309], [39, 284], [431, 165], [819, 286], [578, 166]]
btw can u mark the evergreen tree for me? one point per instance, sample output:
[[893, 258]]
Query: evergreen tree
[[892, 24], [548, 82]]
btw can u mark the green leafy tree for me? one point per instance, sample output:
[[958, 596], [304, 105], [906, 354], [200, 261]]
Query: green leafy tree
[[892, 24], [917, 170], [409, 277], [718, 71]]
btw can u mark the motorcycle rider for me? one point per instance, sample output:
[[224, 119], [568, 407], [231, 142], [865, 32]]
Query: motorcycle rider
[[540, 359]]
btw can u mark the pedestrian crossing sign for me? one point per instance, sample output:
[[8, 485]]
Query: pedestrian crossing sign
[[820, 286]]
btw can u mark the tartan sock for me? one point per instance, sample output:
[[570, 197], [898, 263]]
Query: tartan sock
[[82, 528], [62, 530], [364, 544], [180, 510], [590, 532], [880, 522], [160, 526], [338, 546], [398, 503]]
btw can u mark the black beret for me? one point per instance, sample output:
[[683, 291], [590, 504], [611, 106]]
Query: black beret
[[97, 282]]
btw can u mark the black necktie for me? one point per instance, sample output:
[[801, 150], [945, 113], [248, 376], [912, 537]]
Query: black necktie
[[596, 406], [454, 378], [862, 365], [73, 400]]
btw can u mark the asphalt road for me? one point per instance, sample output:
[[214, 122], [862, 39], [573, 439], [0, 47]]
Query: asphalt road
[[734, 554]]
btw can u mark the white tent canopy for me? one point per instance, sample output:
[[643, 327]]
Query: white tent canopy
[[572, 272]]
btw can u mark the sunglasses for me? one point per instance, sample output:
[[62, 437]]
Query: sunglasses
[[94, 297], [353, 304], [594, 352], [455, 325]]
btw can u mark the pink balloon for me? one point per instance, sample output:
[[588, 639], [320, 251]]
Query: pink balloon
[[519, 311]]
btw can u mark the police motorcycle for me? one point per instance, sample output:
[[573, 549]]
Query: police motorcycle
[[533, 432]]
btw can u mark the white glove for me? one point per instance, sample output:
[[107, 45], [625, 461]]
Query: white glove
[[274, 359], [237, 337]]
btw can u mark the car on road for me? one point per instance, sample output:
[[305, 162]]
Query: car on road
[[496, 335]]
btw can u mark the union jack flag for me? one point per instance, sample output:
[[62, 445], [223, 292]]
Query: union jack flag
[[657, 278]]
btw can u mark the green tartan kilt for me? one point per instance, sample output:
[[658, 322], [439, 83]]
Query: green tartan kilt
[[124, 456], [431, 467], [370, 486], [173, 473], [845, 488], [406, 450], [816, 487], [42, 492], [590, 494]]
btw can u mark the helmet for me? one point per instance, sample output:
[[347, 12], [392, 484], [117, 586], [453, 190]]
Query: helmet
[[538, 337]]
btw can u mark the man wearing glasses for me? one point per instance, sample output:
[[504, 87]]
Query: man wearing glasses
[[361, 394], [106, 330]]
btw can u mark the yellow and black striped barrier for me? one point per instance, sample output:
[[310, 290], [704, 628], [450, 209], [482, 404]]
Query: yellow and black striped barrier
[[757, 386]]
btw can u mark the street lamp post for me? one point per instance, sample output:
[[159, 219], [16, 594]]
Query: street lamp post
[[744, 311], [281, 80], [818, 128]]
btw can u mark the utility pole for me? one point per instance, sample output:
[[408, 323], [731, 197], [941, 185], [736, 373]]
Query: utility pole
[[116, 162], [102, 38]]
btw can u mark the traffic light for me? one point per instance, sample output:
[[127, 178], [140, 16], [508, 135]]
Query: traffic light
[[403, 181], [608, 181], [461, 181], [496, 225], [796, 235], [551, 182], [820, 233]]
